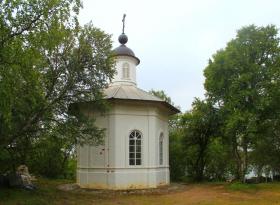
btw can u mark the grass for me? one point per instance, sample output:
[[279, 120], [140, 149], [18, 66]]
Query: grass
[[237, 186], [46, 191], [196, 194]]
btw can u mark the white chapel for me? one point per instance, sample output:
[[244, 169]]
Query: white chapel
[[135, 153]]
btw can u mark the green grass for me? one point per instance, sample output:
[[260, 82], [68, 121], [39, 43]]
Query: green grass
[[237, 186], [45, 192]]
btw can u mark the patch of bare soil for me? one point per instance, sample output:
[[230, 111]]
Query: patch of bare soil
[[172, 188], [179, 194]]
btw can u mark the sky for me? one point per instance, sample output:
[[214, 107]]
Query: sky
[[174, 39]]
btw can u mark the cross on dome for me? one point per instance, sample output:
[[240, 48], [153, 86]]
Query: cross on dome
[[123, 38]]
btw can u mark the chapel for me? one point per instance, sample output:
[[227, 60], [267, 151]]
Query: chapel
[[135, 153]]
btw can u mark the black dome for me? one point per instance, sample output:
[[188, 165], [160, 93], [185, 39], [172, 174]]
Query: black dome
[[122, 50], [123, 38]]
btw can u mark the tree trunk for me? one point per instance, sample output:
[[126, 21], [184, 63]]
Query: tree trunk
[[238, 162], [244, 161], [241, 158], [200, 163]]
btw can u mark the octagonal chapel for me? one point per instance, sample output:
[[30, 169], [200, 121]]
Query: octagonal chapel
[[135, 153]]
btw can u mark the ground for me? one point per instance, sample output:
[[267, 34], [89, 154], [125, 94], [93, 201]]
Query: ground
[[192, 194]]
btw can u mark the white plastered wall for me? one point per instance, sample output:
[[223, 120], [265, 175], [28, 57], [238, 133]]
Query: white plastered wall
[[118, 77], [107, 166]]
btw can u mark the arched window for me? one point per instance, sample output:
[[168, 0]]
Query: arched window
[[125, 69], [161, 149], [135, 148]]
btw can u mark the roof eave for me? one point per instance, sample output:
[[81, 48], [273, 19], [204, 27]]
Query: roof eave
[[173, 110]]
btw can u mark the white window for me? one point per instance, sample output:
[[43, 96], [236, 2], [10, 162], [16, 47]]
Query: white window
[[161, 149], [125, 69], [135, 148]]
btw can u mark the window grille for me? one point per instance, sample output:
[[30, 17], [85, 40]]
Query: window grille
[[135, 148]]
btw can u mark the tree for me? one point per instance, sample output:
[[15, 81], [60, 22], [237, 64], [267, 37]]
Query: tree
[[48, 62], [177, 159], [200, 127], [219, 162], [162, 95], [243, 81]]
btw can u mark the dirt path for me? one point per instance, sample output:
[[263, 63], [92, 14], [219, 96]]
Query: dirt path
[[201, 195]]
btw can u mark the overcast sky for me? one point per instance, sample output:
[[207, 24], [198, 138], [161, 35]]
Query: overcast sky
[[175, 38]]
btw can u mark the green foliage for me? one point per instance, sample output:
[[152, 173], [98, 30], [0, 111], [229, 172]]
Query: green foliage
[[243, 81], [42, 160], [47, 63], [219, 163], [236, 128], [5, 160], [200, 127], [176, 153], [162, 95], [196, 148]]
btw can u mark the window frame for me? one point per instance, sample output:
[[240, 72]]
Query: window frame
[[125, 71], [161, 149], [135, 148]]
